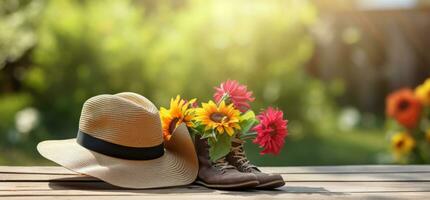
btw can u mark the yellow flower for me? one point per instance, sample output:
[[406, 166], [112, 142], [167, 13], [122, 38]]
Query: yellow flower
[[178, 112], [221, 118], [402, 143], [423, 92]]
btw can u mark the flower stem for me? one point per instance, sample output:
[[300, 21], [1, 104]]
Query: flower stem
[[225, 97], [245, 137]]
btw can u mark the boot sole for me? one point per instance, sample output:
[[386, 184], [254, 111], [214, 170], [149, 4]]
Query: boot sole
[[271, 185], [249, 184]]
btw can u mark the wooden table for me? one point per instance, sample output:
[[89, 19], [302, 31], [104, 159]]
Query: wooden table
[[331, 182]]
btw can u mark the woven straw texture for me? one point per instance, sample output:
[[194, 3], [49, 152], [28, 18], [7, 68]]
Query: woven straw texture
[[131, 120], [127, 119]]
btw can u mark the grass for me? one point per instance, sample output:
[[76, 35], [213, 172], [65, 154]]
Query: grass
[[22, 155], [343, 148], [355, 147]]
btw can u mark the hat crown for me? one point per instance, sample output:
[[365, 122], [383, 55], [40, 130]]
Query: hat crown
[[126, 119]]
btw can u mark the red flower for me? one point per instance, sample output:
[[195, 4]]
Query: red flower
[[271, 131], [237, 94], [403, 106]]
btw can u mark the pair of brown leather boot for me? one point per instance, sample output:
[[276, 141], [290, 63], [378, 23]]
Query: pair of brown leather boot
[[233, 171]]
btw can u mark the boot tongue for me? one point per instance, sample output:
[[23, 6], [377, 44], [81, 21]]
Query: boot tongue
[[235, 142], [245, 164], [223, 165]]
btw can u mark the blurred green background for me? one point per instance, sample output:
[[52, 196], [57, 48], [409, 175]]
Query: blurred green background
[[327, 64]]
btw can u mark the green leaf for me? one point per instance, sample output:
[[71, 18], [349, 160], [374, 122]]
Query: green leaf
[[199, 127], [247, 125], [248, 135], [248, 115], [209, 134], [247, 121], [193, 132], [219, 148]]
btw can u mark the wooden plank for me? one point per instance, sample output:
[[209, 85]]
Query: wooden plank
[[160, 197], [357, 177], [287, 177], [281, 170], [35, 170], [349, 169], [187, 191], [8, 177], [363, 182], [291, 187], [356, 187], [175, 191], [225, 195]]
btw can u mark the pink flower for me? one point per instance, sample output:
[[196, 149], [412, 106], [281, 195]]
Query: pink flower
[[271, 131], [236, 94]]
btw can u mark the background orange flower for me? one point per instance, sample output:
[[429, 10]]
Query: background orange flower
[[403, 106]]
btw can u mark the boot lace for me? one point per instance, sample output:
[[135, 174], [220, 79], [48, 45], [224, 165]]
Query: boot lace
[[239, 154], [222, 164]]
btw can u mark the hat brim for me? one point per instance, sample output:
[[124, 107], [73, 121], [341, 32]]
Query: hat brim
[[178, 165]]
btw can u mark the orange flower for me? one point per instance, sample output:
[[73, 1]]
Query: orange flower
[[403, 106]]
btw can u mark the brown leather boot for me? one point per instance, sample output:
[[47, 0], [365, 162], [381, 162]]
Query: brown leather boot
[[220, 175], [238, 159]]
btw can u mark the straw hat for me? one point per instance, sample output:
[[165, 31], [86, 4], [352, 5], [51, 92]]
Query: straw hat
[[120, 141]]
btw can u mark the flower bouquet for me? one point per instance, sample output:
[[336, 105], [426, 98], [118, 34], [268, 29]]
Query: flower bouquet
[[226, 117], [409, 108]]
